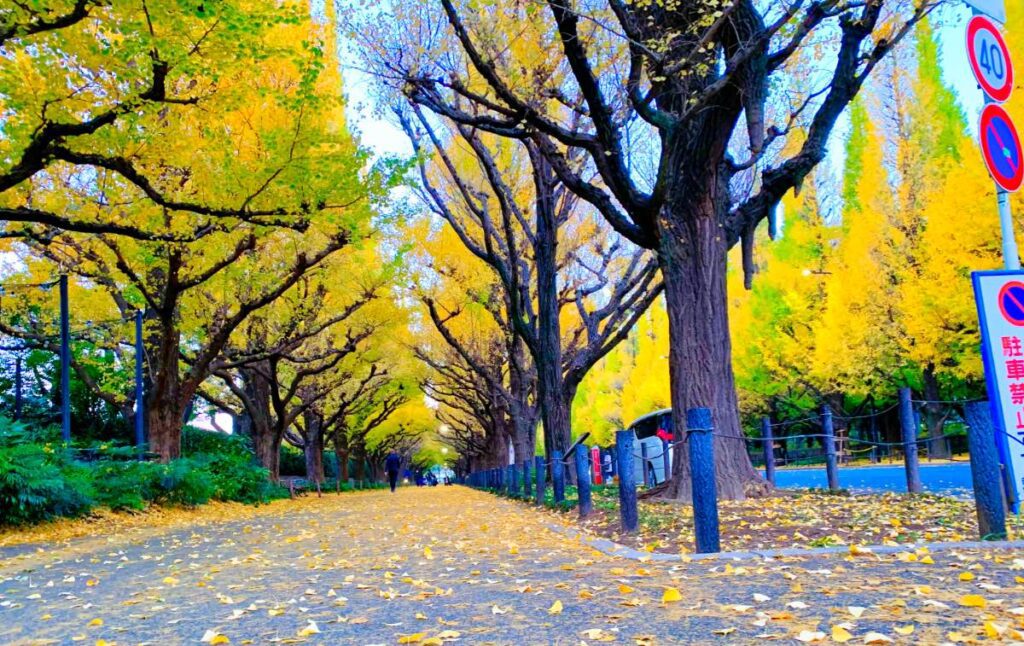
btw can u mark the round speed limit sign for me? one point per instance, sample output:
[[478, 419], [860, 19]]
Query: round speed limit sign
[[990, 58]]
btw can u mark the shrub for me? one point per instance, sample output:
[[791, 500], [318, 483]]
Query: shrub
[[185, 482], [39, 482]]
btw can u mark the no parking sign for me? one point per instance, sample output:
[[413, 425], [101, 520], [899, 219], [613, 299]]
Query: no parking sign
[[1000, 299], [1000, 146]]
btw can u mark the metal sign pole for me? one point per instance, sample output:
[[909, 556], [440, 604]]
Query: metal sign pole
[[1011, 258]]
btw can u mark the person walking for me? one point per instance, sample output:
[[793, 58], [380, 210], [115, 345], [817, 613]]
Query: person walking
[[391, 465]]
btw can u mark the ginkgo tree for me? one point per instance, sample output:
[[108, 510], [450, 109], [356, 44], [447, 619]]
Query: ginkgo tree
[[570, 289], [682, 109], [232, 196]]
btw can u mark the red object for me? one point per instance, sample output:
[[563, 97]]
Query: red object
[[992, 70], [1000, 146], [663, 434], [595, 460]]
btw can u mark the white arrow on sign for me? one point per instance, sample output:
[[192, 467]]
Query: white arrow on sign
[[994, 9]]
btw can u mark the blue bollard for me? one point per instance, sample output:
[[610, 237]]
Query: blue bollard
[[627, 481], [702, 474], [527, 489], [769, 450], [583, 480], [986, 472], [909, 426], [542, 474], [558, 476], [831, 468]]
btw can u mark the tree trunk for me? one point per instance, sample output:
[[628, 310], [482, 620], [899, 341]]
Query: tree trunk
[[314, 448], [266, 441], [341, 453], [164, 406], [934, 418], [547, 354], [692, 257], [524, 439]]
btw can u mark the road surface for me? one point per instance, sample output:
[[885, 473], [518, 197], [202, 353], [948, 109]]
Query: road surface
[[448, 563]]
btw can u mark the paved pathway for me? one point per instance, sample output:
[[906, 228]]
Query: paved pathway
[[452, 563]]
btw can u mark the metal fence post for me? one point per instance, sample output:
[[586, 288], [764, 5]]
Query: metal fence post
[[769, 450], [65, 361], [643, 461], [627, 481], [831, 468], [985, 471], [583, 480], [17, 388], [558, 476], [909, 426], [666, 460], [140, 393], [702, 474], [542, 474]]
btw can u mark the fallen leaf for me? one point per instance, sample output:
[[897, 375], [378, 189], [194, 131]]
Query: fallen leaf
[[841, 635], [808, 636], [670, 595], [972, 601], [556, 608], [877, 638]]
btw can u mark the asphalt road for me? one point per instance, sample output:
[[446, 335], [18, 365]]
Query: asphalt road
[[449, 564]]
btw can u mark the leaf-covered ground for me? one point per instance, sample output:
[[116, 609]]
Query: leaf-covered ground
[[449, 565], [801, 519]]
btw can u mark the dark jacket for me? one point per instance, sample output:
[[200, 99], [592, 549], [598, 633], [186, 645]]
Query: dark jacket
[[392, 463]]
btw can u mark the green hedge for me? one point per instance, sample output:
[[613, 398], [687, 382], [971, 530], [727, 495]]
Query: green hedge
[[41, 480]]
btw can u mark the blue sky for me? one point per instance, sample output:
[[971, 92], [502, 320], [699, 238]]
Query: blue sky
[[951, 20]]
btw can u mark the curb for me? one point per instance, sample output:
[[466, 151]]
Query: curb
[[611, 548]]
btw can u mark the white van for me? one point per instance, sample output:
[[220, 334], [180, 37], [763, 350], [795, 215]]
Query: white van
[[650, 431]]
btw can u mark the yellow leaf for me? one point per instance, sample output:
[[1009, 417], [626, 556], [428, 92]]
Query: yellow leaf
[[556, 608], [428, 553], [966, 576], [432, 641], [877, 638], [170, 580], [927, 560], [310, 629], [420, 615], [724, 631], [220, 639], [411, 639], [994, 630], [448, 634], [671, 594], [586, 594], [955, 636], [96, 622], [856, 611], [841, 635], [972, 601], [624, 589], [904, 630]]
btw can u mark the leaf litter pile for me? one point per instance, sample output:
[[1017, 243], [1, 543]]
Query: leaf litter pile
[[449, 565], [796, 519]]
